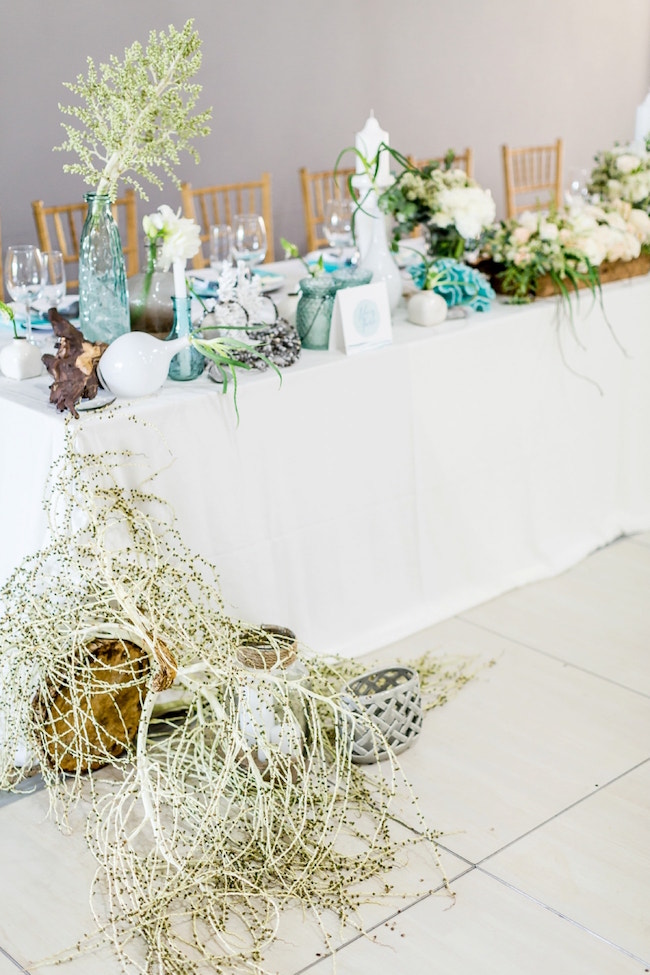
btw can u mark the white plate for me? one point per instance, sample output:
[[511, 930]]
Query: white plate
[[103, 398], [331, 260], [270, 280], [205, 278]]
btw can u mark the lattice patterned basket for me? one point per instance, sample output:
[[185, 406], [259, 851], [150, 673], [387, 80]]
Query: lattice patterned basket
[[385, 710]]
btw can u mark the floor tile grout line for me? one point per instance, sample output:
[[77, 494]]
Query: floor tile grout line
[[552, 656], [561, 812], [378, 924], [564, 917], [5, 954]]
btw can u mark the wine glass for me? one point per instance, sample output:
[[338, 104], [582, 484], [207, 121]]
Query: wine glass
[[249, 245], [577, 191], [24, 277], [221, 246], [337, 225], [53, 278]]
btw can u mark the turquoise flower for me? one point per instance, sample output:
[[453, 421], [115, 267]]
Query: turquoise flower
[[455, 281]]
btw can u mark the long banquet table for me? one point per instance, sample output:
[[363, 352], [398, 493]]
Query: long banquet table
[[375, 494]]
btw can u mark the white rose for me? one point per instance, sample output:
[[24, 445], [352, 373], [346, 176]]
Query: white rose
[[637, 188], [595, 246], [529, 220], [614, 189], [615, 220], [442, 219], [471, 209], [583, 222], [522, 257], [639, 223], [631, 247], [548, 231], [521, 235], [627, 163]]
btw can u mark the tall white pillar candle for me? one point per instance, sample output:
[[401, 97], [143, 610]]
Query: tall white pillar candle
[[367, 143]]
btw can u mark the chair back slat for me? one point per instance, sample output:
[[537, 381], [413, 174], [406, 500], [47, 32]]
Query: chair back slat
[[462, 160], [317, 188], [533, 177], [63, 225]]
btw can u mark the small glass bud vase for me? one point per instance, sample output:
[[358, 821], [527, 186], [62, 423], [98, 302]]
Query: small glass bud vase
[[188, 363], [314, 312], [150, 294]]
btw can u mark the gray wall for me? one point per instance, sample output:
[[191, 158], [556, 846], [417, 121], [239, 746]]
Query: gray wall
[[291, 81]]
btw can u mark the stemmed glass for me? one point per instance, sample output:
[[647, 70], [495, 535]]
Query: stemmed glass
[[24, 277], [577, 192], [221, 246], [337, 225], [53, 278], [249, 245]]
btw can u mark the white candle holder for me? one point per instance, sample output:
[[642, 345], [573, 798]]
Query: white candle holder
[[371, 237]]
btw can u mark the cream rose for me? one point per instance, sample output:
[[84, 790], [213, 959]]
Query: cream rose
[[627, 163]]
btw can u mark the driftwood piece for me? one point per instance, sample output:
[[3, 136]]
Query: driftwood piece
[[74, 367]]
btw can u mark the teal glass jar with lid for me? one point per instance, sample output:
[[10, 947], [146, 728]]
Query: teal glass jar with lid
[[352, 276], [314, 312]]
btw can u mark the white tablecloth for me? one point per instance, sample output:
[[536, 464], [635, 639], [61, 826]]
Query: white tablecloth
[[375, 494]]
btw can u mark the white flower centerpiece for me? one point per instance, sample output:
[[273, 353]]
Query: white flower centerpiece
[[569, 247], [453, 210], [622, 173]]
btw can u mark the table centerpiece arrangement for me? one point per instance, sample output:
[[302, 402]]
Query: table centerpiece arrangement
[[450, 208], [622, 173], [541, 254], [137, 119]]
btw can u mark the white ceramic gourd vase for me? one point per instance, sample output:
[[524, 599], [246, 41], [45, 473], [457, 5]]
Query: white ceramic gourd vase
[[426, 308], [136, 363], [19, 359]]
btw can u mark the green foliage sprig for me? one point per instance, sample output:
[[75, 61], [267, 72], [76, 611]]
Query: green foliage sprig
[[138, 113], [10, 313], [291, 252]]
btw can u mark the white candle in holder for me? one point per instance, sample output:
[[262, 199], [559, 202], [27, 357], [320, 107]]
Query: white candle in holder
[[367, 143], [180, 289]]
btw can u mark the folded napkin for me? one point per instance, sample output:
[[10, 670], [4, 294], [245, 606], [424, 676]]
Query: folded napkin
[[69, 308]]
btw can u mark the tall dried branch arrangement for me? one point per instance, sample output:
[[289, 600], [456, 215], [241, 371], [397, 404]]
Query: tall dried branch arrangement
[[204, 836], [136, 117]]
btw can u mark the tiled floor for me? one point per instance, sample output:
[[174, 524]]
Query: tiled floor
[[537, 773]]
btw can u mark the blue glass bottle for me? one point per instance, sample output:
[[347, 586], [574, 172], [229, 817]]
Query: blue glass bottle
[[188, 363]]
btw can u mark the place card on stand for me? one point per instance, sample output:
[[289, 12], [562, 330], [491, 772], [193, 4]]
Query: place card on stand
[[361, 319]]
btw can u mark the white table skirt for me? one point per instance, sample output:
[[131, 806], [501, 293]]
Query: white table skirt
[[373, 495]]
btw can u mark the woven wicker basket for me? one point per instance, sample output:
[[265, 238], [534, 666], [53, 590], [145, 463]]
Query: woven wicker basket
[[385, 711], [275, 646]]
